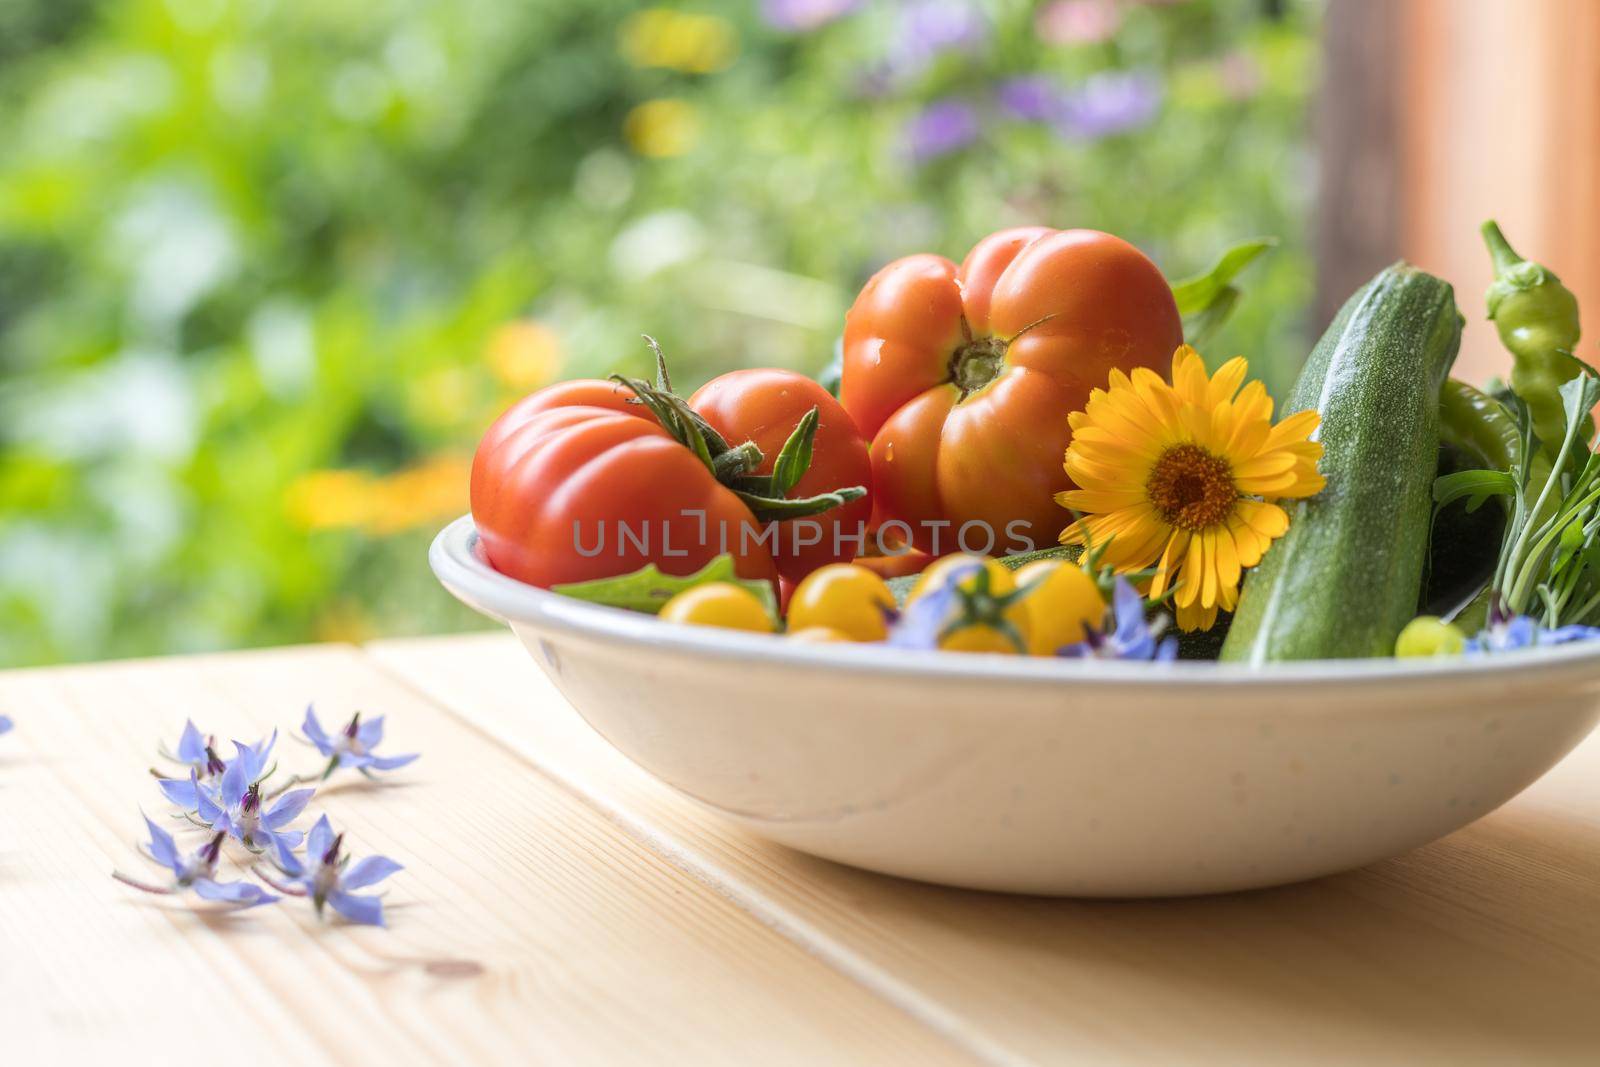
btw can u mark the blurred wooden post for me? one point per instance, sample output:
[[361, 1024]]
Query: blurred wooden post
[[1498, 117]]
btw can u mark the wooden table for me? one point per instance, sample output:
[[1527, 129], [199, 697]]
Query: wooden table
[[558, 906]]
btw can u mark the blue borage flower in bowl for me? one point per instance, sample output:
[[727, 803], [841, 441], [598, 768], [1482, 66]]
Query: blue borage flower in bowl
[[329, 878], [1507, 632], [196, 871], [352, 746], [1128, 633]]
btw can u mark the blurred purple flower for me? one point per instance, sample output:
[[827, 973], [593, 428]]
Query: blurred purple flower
[[921, 623], [930, 28], [802, 16], [1507, 632], [325, 879], [1109, 103], [5, 724], [942, 127], [1032, 98], [197, 871], [1078, 21], [352, 746], [1127, 634]]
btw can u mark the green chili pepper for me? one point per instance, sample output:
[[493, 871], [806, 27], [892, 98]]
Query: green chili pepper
[[1537, 318], [1479, 425]]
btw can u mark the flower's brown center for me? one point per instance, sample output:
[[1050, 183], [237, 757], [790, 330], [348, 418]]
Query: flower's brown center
[[1192, 488]]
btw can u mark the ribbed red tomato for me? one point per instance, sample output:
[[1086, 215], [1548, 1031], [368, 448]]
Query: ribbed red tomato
[[569, 493], [764, 406], [963, 376], [578, 481]]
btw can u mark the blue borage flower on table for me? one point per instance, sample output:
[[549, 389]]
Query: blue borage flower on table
[[353, 746], [1127, 633], [236, 809], [205, 767], [328, 877], [196, 871]]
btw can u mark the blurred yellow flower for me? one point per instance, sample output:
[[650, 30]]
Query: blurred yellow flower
[[524, 355], [426, 494], [328, 499], [662, 128], [430, 492], [678, 40]]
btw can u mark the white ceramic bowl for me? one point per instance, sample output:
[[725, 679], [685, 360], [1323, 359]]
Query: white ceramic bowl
[[1047, 776]]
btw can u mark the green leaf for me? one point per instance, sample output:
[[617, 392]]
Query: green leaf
[[795, 458], [1203, 325], [647, 589], [1197, 293], [1475, 486]]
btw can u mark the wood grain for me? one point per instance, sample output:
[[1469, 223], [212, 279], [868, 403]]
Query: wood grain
[[526, 928], [1482, 948]]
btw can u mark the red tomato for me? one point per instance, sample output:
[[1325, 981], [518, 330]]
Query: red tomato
[[764, 406], [558, 488], [964, 376]]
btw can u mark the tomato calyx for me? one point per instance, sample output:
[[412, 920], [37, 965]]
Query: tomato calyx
[[979, 605], [977, 361], [734, 465]]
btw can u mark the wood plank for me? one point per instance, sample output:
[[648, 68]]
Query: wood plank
[[1481, 948], [525, 928]]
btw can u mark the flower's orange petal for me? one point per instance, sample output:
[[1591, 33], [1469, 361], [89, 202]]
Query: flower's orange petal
[[1193, 561], [1268, 485], [1208, 567], [1101, 500], [1194, 618], [1303, 486], [1268, 520], [1297, 427], [1249, 434], [1254, 403], [1228, 570], [1196, 422], [1170, 559], [1227, 380], [1091, 474], [1189, 376], [1247, 541]]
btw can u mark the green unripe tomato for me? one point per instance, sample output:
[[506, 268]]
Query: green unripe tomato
[[1429, 635]]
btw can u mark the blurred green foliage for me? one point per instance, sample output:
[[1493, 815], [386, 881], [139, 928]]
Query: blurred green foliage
[[268, 268]]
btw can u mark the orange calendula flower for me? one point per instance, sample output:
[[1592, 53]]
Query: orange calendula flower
[[1182, 478]]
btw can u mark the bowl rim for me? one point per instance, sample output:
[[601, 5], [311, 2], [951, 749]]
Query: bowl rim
[[458, 562]]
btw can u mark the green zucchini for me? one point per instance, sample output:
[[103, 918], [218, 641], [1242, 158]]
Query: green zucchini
[[1346, 576]]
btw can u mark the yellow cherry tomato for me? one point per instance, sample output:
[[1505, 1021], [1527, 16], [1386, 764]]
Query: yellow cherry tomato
[[1429, 635], [820, 635], [718, 604], [1001, 580], [1064, 600], [843, 597], [980, 633], [978, 638]]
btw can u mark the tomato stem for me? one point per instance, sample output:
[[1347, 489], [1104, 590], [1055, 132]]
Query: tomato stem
[[977, 363]]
